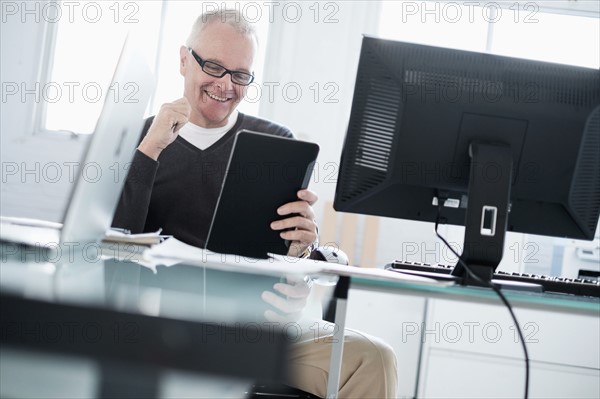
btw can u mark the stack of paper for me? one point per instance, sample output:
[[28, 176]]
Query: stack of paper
[[113, 235]]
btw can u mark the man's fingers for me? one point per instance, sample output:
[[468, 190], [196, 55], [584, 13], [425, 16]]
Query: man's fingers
[[295, 222], [285, 305], [297, 207], [300, 230], [176, 112], [289, 305], [304, 237], [296, 291], [308, 196]]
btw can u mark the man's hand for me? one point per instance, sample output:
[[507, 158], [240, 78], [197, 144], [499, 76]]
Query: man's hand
[[291, 301], [300, 228], [165, 127]]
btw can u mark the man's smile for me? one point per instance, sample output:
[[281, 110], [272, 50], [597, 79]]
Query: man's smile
[[215, 97]]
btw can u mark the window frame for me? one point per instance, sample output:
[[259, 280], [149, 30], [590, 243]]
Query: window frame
[[43, 75]]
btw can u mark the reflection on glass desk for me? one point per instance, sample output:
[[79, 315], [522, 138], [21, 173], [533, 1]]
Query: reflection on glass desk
[[216, 294], [415, 285], [549, 301], [130, 324]]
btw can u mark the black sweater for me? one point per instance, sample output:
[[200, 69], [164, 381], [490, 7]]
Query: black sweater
[[179, 192]]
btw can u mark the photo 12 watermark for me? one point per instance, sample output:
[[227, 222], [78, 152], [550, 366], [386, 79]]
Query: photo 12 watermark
[[72, 333], [69, 92], [325, 12], [454, 12], [93, 252], [436, 253], [292, 92], [64, 172], [125, 12], [489, 332], [435, 88]]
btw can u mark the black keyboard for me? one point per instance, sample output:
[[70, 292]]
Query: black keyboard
[[575, 286]]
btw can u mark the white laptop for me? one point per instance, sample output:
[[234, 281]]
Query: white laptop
[[92, 202]]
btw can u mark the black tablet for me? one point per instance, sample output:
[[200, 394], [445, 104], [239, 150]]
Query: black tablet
[[263, 173]]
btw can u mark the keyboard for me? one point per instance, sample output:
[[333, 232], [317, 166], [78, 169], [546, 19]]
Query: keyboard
[[574, 286]]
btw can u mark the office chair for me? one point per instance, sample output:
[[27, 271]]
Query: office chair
[[272, 390], [263, 390]]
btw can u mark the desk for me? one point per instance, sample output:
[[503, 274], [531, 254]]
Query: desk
[[130, 327], [128, 287]]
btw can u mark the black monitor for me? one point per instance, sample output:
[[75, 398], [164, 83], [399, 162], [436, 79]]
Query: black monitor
[[489, 142]]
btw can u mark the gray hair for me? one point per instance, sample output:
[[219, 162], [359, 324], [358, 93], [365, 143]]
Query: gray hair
[[232, 17]]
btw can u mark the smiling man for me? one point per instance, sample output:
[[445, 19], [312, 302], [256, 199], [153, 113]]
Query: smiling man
[[175, 180], [216, 48], [191, 139]]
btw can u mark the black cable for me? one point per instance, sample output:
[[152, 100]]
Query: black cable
[[497, 290]]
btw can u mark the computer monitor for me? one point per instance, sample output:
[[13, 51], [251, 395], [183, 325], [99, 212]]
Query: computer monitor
[[486, 141]]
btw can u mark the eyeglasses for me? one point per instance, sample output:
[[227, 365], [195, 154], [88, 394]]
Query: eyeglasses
[[218, 71]]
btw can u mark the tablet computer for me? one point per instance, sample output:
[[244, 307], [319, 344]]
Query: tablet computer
[[263, 173]]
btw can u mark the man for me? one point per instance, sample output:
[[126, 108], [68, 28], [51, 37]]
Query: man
[[174, 185]]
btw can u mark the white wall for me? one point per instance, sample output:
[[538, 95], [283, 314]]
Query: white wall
[[320, 58], [319, 54]]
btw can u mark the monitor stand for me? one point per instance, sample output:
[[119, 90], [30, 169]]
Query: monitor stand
[[487, 211], [486, 219]]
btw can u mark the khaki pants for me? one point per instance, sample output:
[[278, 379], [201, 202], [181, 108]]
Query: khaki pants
[[369, 368]]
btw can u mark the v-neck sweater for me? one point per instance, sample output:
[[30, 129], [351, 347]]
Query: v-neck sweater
[[179, 191]]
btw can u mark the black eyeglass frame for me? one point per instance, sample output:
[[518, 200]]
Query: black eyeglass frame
[[226, 71]]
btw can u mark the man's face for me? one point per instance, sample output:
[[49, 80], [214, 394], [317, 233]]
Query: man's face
[[214, 99]]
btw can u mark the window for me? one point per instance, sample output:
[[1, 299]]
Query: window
[[453, 25], [88, 40], [88, 37], [565, 39], [534, 30]]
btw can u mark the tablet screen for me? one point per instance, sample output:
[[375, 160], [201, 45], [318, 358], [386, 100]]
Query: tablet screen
[[263, 173]]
